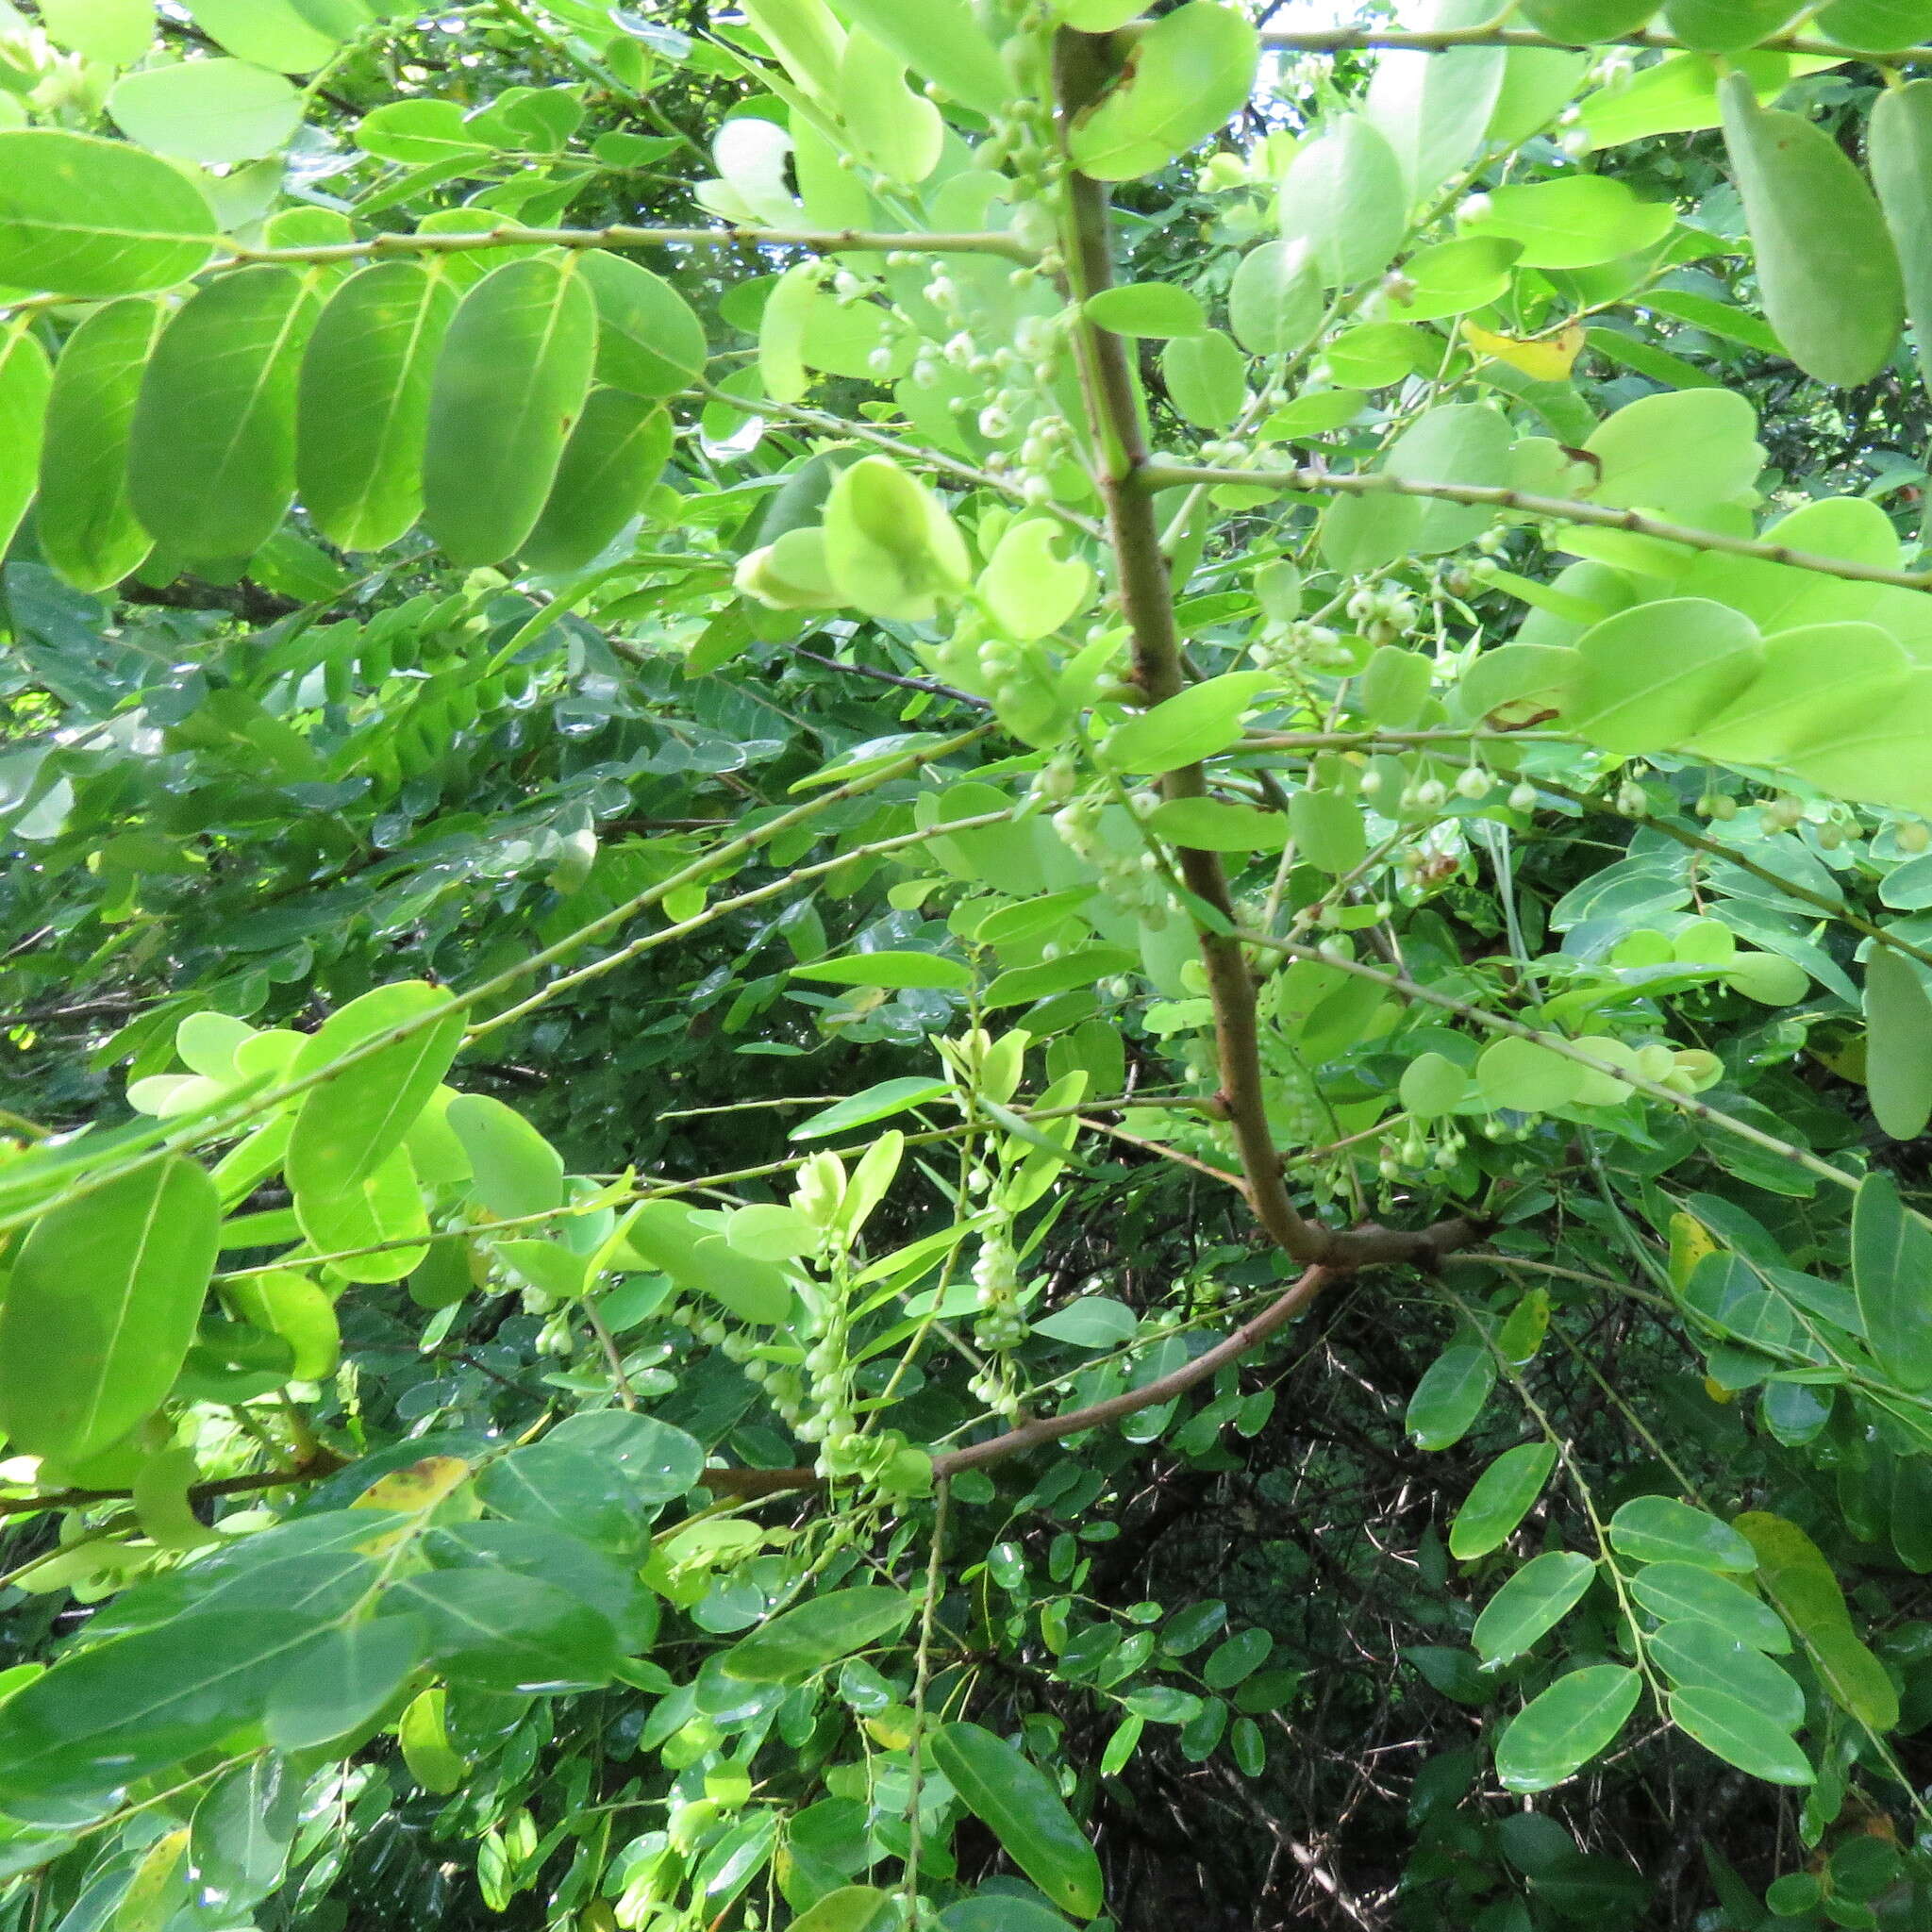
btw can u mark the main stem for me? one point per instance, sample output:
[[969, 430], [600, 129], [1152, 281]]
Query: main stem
[[1147, 596]]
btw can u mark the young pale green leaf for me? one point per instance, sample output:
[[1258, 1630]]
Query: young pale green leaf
[[1275, 301], [1345, 197], [353, 1121], [508, 387], [1825, 261], [1526, 1077], [1153, 309], [1434, 108], [1183, 730], [1661, 1529], [668, 1237], [1184, 76], [1697, 1655], [1898, 1056], [850, 1909], [1731, 1728], [101, 1308], [1458, 443], [943, 42], [364, 404], [290, 1305], [1574, 222], [83, 517], [801, 1642], [1012, 1796], [889, 969], [891, 547], [114, 32], [1327, 829], [613, 462], [25, 379], [893, 129], [207, 110], [1687, 1591], [268, 33], [1501, 1499], [1899, 147], [1030, 591], [1207, 378], [1450, 1396], [212, 456], [1676, 453], [1891, 1265], [1433, 1085], [515, 1170], [1362, 533], [1654, 676], [1557, 1734], [1208, 824], [1815, 678], [1580, 21], [423, 1732], [378, 1226], [1531, 1605], [134, 1706]]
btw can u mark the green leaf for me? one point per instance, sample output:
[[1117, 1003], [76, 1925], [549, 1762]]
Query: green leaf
[[1725, 26], [1450, 1396], [423, 1734], [1574, 223], [1899, 148], [669, 1237], [1205, 377], [1182, 730], [341, 1682], [1236, 1659], [363, 409], [242, 1828], [384, 1213], [83, 517], [83, 217], [1500, 1499], [1898, 1057], [650, 342], [126, 1708], [1531, 1604], [799, 1643], [211, 458], [1875, 26], [207, 110], [269, 33], [1012, 1796], [613, 462], [1676, 1590], [1275, 303], [1653, 676], [1188, 72], [1148, 308], [115, 32], [1661, 1529], [1345, 197], [1732, 1729], [1676, 453], [1557, 1734], [101, 1308], [944, 42], [1816, 678], [890, 970], [1208, 824], [555, 1487], [1829, 274], [850, 1909], [349, 1125], [1891, 1270], [876, 1103], [1526, 1077], [514, 1170], [1434, 108], [490, 1629], [1698, 1656], [660, 1462], [1457, 442], [25, 381], [1091, 1322], [509, 388]]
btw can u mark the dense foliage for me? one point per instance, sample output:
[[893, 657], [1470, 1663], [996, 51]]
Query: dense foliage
[[969, 964]]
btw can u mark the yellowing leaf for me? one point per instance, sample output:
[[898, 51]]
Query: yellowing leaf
[[1691, 1241], [1545, 359], [410, 1492]]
